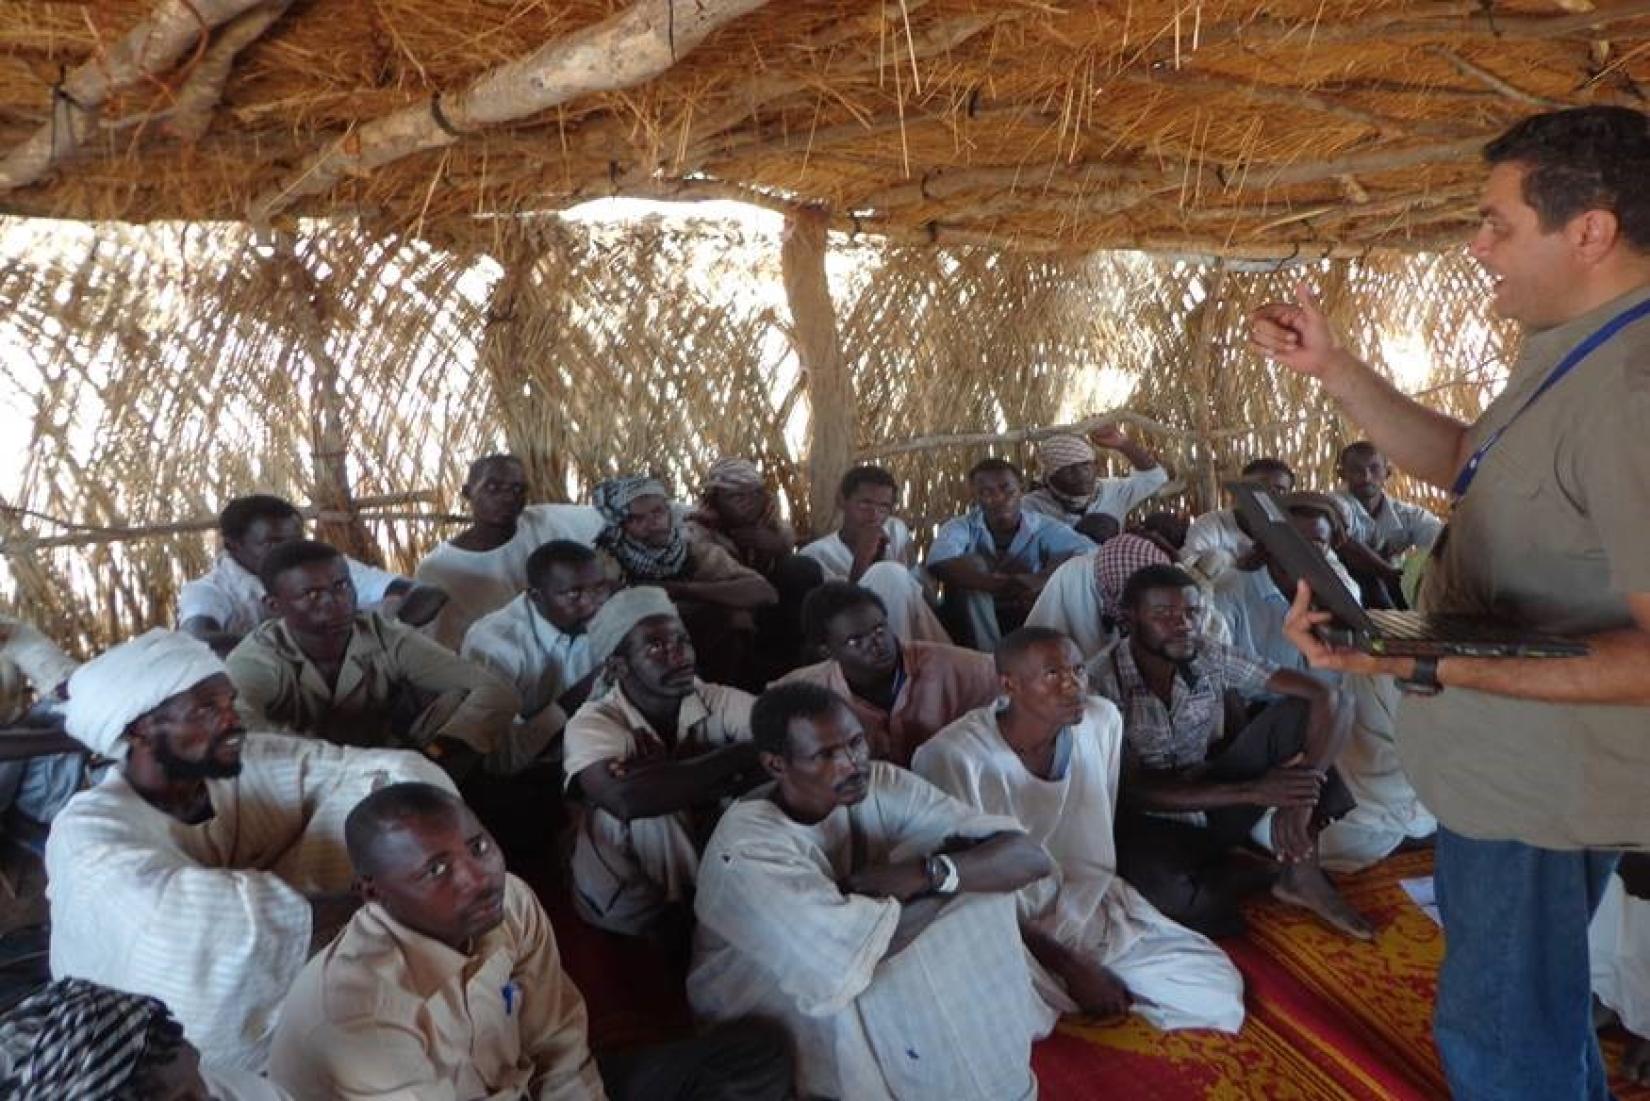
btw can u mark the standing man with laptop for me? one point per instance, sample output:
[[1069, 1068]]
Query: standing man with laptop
[[1535, 767]]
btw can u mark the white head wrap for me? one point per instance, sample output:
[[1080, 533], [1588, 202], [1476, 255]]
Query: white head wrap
[[110, 691], [619, 616], [1059, 452]]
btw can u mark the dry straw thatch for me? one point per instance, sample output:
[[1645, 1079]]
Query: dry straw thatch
[[1298, 126], [154, 372]]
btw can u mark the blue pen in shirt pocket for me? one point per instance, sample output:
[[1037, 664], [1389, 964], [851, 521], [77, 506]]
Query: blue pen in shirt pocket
[[512, 994]]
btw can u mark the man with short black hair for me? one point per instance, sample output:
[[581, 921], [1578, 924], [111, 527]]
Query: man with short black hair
[[901, 692], [1048, 755], [325, 669], [872, 548], [1380, 531], [995, 559], [652, 761], [869, 913], [209, 863], [447, 983], [539, 643], [1534, 766], [1074, 494], [1184, 753], [223, 606]]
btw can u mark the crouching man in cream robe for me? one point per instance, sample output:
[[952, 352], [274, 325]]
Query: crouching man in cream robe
[[204, 868], [871, 915], [1050, 759]]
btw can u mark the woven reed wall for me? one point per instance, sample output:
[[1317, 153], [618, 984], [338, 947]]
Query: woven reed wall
[[149, 374]]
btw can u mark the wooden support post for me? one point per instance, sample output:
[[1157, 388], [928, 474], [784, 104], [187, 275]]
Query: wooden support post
[[1203, 328], [833, 412]]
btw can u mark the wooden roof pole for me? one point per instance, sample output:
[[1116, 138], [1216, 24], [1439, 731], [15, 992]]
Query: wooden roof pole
[[833, 411], [628, 48]]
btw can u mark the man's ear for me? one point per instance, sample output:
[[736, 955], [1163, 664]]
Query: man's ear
[[773, 764], [1593, 233], [365, 887], [269, 605], [616, 667]]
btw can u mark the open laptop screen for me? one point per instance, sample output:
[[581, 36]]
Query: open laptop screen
[[1268, 523]]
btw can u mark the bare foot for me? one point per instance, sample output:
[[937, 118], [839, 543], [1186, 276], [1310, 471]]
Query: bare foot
[[1603, 1015], [1306, 886], [1635, 1061]]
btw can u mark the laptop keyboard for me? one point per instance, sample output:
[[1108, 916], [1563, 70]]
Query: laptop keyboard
[[1415, 627]]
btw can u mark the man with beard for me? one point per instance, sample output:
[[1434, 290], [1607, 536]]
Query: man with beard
[[324, 669], [995, 559], [1185, 752], [901, 692], [1073, 494], [484, 567], [651, 761], [715, 596], [209, 863], [221, 607], [1380, 531], [539, 643], [447, 983], [872, 915], [1049, 757], [1534, 767]]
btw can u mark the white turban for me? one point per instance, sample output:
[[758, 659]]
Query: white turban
[[619, 616], [1059, 452], [109, 692]]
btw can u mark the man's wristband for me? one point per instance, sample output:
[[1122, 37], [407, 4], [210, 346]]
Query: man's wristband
[[1423, 678]]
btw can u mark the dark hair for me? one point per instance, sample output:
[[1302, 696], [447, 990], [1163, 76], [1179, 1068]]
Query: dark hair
[[1357, 447], [775, 709], [289, 556], [1268, 465], [1584, 158], [1013, 645], [240, 513], [383, 810], [829, 601], [1318, 506], [1159, 575], [557, 552], [992, 465], [477, 466], [866, 476]]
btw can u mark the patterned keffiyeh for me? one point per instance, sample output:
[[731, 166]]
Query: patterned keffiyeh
[[1116, 561], [640, 562], [77, 1039]]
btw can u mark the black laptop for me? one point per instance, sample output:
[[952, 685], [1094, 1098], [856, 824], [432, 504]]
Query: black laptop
[[1376, 630]]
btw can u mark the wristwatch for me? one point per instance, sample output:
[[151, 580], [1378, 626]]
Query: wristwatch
[[1423, 679], [943, 878]]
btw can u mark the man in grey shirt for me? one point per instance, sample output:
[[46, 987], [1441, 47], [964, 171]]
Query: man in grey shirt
[[1535, 768]]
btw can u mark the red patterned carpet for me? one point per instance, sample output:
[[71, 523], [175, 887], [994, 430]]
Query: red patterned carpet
[[1329, 1018]]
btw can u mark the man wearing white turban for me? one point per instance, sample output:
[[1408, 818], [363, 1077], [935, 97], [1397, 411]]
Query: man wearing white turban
[[652, 760], [204, 868], [1072, 494]]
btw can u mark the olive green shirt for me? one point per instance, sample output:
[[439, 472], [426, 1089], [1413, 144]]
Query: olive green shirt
[[1552, 535]]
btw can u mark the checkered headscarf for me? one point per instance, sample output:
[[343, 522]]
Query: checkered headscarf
[[74, 1038], [640, 562], [1119, 559]]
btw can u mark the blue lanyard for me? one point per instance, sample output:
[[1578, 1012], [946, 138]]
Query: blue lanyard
[[1580, 352]]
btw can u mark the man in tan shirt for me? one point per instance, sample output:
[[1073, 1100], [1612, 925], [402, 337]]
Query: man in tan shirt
[[447, 984], [1535, 767], [323, 669], [901, 692], [651, 762]]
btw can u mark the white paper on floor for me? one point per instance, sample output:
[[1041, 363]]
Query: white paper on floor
[[1421, 892]]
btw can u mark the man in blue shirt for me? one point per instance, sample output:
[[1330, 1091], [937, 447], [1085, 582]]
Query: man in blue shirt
[[994, 560]]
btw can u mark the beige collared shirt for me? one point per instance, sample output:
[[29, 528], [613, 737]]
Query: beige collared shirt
[[1552, 536], [710, 717], [385, 1012], [387, 666]]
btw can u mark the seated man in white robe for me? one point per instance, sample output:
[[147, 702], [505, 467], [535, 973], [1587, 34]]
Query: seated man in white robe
[[484, 567], [540, 642], [222, 607], [1218, 531], [1381, 531], [206, 867], [652, 762], [1074, 494], [872, 548], [324, 669], [447, 984], [1050, 758], [35, 782], [872, 915], [1618, 949]]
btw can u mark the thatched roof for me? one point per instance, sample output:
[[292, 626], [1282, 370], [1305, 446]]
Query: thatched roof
[[1297, 125]]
